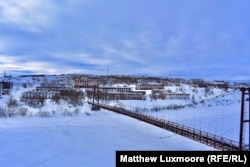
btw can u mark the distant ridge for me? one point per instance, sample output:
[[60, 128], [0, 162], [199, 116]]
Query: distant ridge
[[34, 75]]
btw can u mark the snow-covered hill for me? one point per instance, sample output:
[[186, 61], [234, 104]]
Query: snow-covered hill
[[75, 135], [210, 109]]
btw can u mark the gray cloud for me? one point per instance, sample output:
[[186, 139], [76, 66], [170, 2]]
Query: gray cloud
[[207, 38]]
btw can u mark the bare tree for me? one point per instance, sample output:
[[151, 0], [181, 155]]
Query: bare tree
[[12, 102]]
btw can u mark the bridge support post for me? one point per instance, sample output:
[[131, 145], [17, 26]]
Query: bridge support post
[[242, 117], [248, 118], [95, 107]]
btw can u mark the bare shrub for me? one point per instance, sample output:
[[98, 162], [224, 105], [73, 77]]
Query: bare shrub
[[43, 114], [30, 114], [87, 113], [53, 112], [23, 111], [11, 112], [72, 96], [12, 102], [76, 111], [2, 113], [67, 113]]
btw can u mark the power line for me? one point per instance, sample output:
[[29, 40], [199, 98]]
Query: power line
[[218, 96]]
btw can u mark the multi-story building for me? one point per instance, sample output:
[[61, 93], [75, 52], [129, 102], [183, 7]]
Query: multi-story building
[[184, 96], [6, 87], [121, 93], [149, 86], [197, 82], [50, 87], [45, 91], [115, 89], [127, 96], [85, 83], [39, 95]]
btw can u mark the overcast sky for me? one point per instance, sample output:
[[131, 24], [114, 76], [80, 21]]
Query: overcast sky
[[207, 39]]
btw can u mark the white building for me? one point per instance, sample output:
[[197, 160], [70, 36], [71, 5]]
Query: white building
[[39, 95]]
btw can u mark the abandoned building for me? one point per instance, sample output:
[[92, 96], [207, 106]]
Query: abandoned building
[[149, 86], [6, 87], [51, 87], [39, 94], [121, 93], [85, 83], [46, 90], [183, 96]]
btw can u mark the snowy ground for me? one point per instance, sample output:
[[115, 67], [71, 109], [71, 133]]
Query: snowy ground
[[81, 140], [220, 116], [91, 138]]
